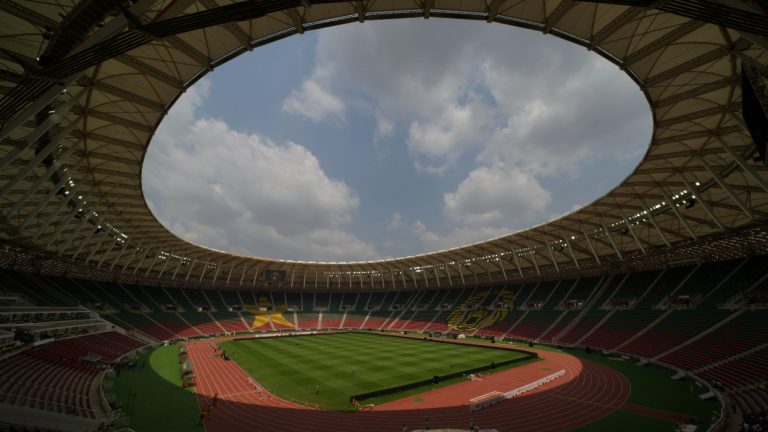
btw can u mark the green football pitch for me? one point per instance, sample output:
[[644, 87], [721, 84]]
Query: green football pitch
[[342, 365]]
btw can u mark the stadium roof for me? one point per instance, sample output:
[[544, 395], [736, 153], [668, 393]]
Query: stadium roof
[[86, 83]]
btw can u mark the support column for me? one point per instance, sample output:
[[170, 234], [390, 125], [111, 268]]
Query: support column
[[610, 239], [704, 204], [570, 249], [552, 255], [673, 206], [517, 264], [744, 165], [106, 254], [591, 248], [653, 221], [727, 189]]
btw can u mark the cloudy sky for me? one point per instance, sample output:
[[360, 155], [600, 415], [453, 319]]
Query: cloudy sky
[[392, 138]]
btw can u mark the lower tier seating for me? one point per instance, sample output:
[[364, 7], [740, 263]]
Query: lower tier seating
[[743, 332], [676, 328], [621, 326], [741, 371], [354, 320], [534, 324], [53, 377]]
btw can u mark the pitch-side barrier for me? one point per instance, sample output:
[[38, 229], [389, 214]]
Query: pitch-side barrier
[[494, 397]]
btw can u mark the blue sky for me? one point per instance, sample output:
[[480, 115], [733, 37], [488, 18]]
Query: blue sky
[[385, 139]]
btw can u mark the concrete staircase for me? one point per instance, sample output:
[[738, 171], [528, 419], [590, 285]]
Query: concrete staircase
[[702, 334]]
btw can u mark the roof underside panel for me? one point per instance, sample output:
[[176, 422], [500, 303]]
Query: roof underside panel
[[697, 181]]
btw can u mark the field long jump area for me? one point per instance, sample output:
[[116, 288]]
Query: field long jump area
[[587, 392]]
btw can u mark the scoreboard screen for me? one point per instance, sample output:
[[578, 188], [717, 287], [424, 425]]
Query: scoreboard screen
[[275, 275]]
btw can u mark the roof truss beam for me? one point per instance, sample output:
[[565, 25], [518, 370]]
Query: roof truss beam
[[695, 92], [708, 57], [707, 112], [678, 32]]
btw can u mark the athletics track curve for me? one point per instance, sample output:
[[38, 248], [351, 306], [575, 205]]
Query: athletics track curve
[[587, 392]]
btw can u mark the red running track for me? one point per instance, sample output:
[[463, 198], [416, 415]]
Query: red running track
[[588, 392]]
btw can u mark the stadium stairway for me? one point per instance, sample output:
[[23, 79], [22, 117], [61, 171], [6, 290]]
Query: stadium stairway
[[640, 332], [407, 321], [742, 331], [425, 318], [143, 323], [140, 294], [355, 319], [422, 319], [437, 324], [113, 294], [418, 303], [597, 325], [577, 291], [752, 399], [489, 304], [365, 320], [503, 324], [215, 321], [517, 322], [595, 318], [533, 324], [711, 329], [593, 312], [558, 325], [624, 323], [681, 325], [593, 297], [673, 329], [503, 327], [398, 322], [738, 370]]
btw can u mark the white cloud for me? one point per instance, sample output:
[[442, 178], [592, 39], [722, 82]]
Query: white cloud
[[595, 114], [384, 126], [429, 240], [314, 101], [525, 107], [245, 193], [492, 201], [499, 113], [440, 140], [544, 113], [494, 195]]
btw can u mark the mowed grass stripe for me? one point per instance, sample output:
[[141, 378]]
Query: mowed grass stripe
[[291, 367], [326, 369]]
